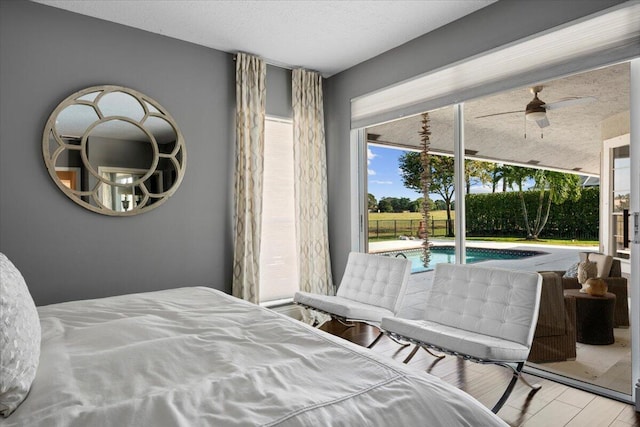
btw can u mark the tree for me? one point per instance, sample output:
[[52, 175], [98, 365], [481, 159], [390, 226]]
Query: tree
[[517, 175], [477, 171], [372, 203], [442, 178], [497, 174], [558, 187], [416, 205], [384, 205], [554, 187], [439, 205], [411, 169], [400, 204]]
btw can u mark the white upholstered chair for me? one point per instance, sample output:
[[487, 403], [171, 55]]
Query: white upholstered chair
[[372, 287], [486, 315]]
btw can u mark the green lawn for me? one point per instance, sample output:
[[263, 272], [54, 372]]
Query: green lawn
[[436, 215], [389, 225], [386, 226]]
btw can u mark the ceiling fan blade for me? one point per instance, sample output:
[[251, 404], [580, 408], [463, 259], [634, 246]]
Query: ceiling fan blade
[[499, 114], [570, 102], [543, 123]]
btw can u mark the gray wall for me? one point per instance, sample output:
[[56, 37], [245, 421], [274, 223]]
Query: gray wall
[[279, 92], [66, 252], [500, 23]]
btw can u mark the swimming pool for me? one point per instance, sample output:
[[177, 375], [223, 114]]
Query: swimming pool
[[446, 254]]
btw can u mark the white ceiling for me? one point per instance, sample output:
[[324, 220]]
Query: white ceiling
[[327, 36], [331, 36], [572, 142]]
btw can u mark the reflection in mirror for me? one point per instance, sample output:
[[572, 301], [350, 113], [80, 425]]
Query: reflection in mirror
[[114, 151], [151, 108], [89, 96], [70, 177], [118, 144], [74, 120], [122, 194], [121, 104], [162, 130]]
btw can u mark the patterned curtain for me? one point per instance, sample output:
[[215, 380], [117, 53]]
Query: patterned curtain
[[247, 215], [310, 167]]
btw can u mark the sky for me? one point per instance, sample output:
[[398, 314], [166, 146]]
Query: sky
[[385, 179], [384, 174]]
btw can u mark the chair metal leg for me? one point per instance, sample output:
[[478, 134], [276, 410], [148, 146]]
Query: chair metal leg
[[535, 387], [415, 350], [380, 334], [343, 323], [506, 393], [413, 353], [395, 340], [517, 373], [437, 356]]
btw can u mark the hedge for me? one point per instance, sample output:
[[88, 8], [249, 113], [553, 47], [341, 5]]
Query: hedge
[[500, 214]]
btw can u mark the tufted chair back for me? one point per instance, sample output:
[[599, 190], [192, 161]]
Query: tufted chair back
[[489, 301], [376, 280]]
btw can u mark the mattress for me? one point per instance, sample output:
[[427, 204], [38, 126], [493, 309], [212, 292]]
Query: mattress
[[198, 357]]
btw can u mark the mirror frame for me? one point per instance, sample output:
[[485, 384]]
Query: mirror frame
[[78, 196]]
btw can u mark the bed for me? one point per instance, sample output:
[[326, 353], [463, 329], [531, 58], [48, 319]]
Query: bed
[[198, 357]]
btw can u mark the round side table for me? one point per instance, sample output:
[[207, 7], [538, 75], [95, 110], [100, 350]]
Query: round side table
[[594, 317]]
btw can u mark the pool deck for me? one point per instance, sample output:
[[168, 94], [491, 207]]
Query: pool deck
[[555, 258]]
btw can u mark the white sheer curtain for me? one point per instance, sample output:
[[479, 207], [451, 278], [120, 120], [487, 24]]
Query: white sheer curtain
[[310, 167], [250, 115]]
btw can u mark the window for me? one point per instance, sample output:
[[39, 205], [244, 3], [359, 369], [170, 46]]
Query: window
[[618, 161], [278, 254]]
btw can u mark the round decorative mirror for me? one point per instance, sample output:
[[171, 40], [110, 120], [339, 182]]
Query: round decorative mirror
[[114, 150]]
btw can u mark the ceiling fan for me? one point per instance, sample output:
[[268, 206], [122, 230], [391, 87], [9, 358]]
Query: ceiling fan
[[536, 109]]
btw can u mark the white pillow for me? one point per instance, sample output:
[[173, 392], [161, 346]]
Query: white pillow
[[19, 338], [604, 263]]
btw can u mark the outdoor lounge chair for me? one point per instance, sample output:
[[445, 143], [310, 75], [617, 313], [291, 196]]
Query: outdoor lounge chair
[[555, 336], [609, 270], [372, 287], [486, 315]]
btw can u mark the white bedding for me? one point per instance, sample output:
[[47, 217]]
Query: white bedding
[[198, 357]]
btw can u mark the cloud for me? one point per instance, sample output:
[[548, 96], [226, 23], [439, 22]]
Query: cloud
[[477, 188], [370, 155], [381, 182]]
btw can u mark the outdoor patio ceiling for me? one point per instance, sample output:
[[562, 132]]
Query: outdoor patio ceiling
[[571, 143]]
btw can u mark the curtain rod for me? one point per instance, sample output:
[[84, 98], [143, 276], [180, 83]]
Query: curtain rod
[[281, 65], [275, 64]]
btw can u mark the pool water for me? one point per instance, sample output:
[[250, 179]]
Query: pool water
[[446, 254]]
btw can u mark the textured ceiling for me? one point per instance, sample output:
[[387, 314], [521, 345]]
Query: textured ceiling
[[572, 142], [330, 36], [327, 36]]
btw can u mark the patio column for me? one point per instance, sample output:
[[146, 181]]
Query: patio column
[[458, 153]]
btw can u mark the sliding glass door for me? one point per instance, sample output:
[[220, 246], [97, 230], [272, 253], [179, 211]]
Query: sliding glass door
[[500, 151]]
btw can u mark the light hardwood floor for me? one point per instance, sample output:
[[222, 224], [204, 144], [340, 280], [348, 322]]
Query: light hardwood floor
[[554, 405]]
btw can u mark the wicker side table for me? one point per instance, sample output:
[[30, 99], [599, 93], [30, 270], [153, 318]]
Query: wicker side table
[[594, 317]]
